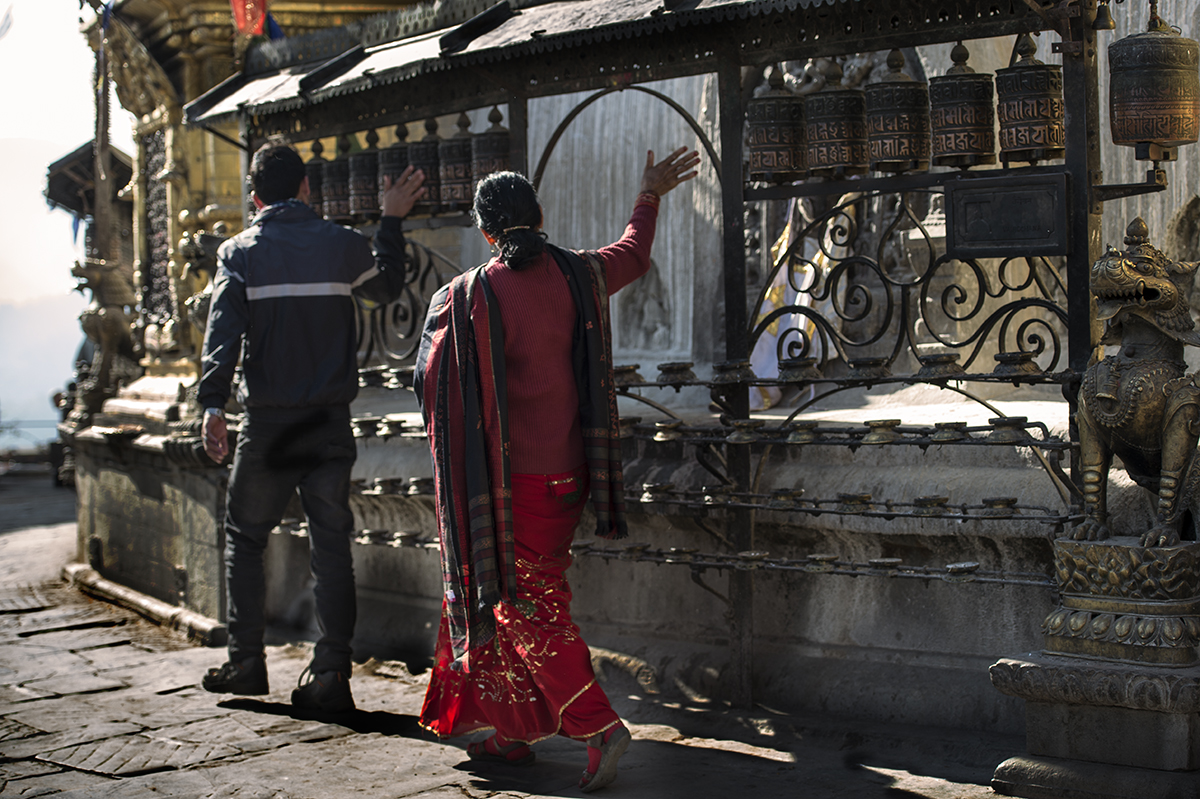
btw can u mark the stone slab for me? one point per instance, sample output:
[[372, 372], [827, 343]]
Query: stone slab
[[1053, 778], [59, 782], [31, 747], [14, 694], [87, 683], [1116, 735], [136, 754]]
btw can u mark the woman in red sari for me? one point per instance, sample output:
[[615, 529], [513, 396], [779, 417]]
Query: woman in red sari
[[514, 375]]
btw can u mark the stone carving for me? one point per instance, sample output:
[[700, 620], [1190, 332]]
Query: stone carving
[[1136, 573], [1145, 631], [108, 324], [1078, 682], [200, 253], [141, 83], [1139, 404]]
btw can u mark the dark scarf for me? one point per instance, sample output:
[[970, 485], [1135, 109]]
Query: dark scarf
[[460, 382]]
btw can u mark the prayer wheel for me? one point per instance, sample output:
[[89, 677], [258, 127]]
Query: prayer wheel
[[490, 149], [1154, 90], [962, 114], [423, 155], [778, 140], [393, 160], [836, 129], [335, 185], [314, 168], [364, 171], [454, 167], [1030, 107], [898, 120]]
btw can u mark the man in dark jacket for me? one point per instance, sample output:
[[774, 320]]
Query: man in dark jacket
[[284, 303]]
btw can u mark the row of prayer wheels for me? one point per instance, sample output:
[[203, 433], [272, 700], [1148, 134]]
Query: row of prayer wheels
[[902, 125], [347, 188]]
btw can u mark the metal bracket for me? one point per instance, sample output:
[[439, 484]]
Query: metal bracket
[[1156, 180]]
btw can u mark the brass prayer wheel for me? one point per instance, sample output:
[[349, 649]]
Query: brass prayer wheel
[[314, 168], [1154, 90], [490, 149], [836, 129], [454, 164], [394, 159], [1030, 107], [335, 185], [962, 114], [898, 120], [423, 155], [778, 140], [364, 170]]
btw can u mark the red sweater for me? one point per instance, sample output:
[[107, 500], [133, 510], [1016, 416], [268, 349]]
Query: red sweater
[[539, 318]]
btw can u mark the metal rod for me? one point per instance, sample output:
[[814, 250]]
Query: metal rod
[[240, 145]]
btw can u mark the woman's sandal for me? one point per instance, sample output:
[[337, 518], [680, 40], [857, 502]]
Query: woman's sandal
[[603, 753], [514, 753]]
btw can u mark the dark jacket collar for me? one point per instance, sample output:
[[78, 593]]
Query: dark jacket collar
[[287, 211]]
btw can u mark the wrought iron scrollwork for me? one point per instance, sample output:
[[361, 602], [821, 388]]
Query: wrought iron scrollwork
[[844, 287], [389, 334]]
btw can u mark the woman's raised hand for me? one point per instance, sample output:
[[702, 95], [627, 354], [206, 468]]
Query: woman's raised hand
[[668, 173]]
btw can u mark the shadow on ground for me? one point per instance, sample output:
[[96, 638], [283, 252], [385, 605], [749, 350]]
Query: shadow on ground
[[362, 722]]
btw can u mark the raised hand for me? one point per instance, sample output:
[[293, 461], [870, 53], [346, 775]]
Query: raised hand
[[668, 173], [399, 196]]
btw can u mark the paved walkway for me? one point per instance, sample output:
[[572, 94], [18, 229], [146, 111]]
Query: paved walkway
[[96, 702]]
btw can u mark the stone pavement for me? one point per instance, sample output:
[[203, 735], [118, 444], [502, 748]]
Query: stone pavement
[[96, 702]]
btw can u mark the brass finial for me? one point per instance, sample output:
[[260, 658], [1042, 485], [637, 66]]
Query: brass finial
[[401, 132], [317, 148], [1026, 49], [431, 127], [495, 117], [959, 55], [1137, 233], [833, 76], [775, 78]]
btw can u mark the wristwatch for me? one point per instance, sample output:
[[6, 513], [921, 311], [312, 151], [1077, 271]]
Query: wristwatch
[[218, 412]]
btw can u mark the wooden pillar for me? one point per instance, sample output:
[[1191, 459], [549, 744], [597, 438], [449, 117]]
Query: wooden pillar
[[518, 134]]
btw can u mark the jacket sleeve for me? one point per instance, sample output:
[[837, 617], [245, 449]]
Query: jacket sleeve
[[227, 321], [385, 281]]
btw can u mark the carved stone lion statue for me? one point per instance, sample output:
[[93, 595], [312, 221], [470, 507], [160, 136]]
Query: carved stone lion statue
[[1139, 404]]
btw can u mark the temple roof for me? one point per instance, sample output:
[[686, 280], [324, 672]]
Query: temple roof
[[500, 33], [70, 181]]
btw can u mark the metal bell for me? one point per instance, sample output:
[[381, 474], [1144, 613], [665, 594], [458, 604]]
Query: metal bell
[[1154, 90]]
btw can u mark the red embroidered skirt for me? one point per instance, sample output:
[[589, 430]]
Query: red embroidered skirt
[[535, 679]]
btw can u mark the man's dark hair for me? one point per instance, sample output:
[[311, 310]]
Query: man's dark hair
[[276, 172]]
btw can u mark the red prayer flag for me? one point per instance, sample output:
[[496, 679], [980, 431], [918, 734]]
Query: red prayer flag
[[249, 15]]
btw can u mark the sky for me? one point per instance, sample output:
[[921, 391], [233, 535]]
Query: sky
[[46, 95]]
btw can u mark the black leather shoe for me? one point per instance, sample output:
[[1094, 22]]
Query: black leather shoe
[[327, 691], [246, 677]]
